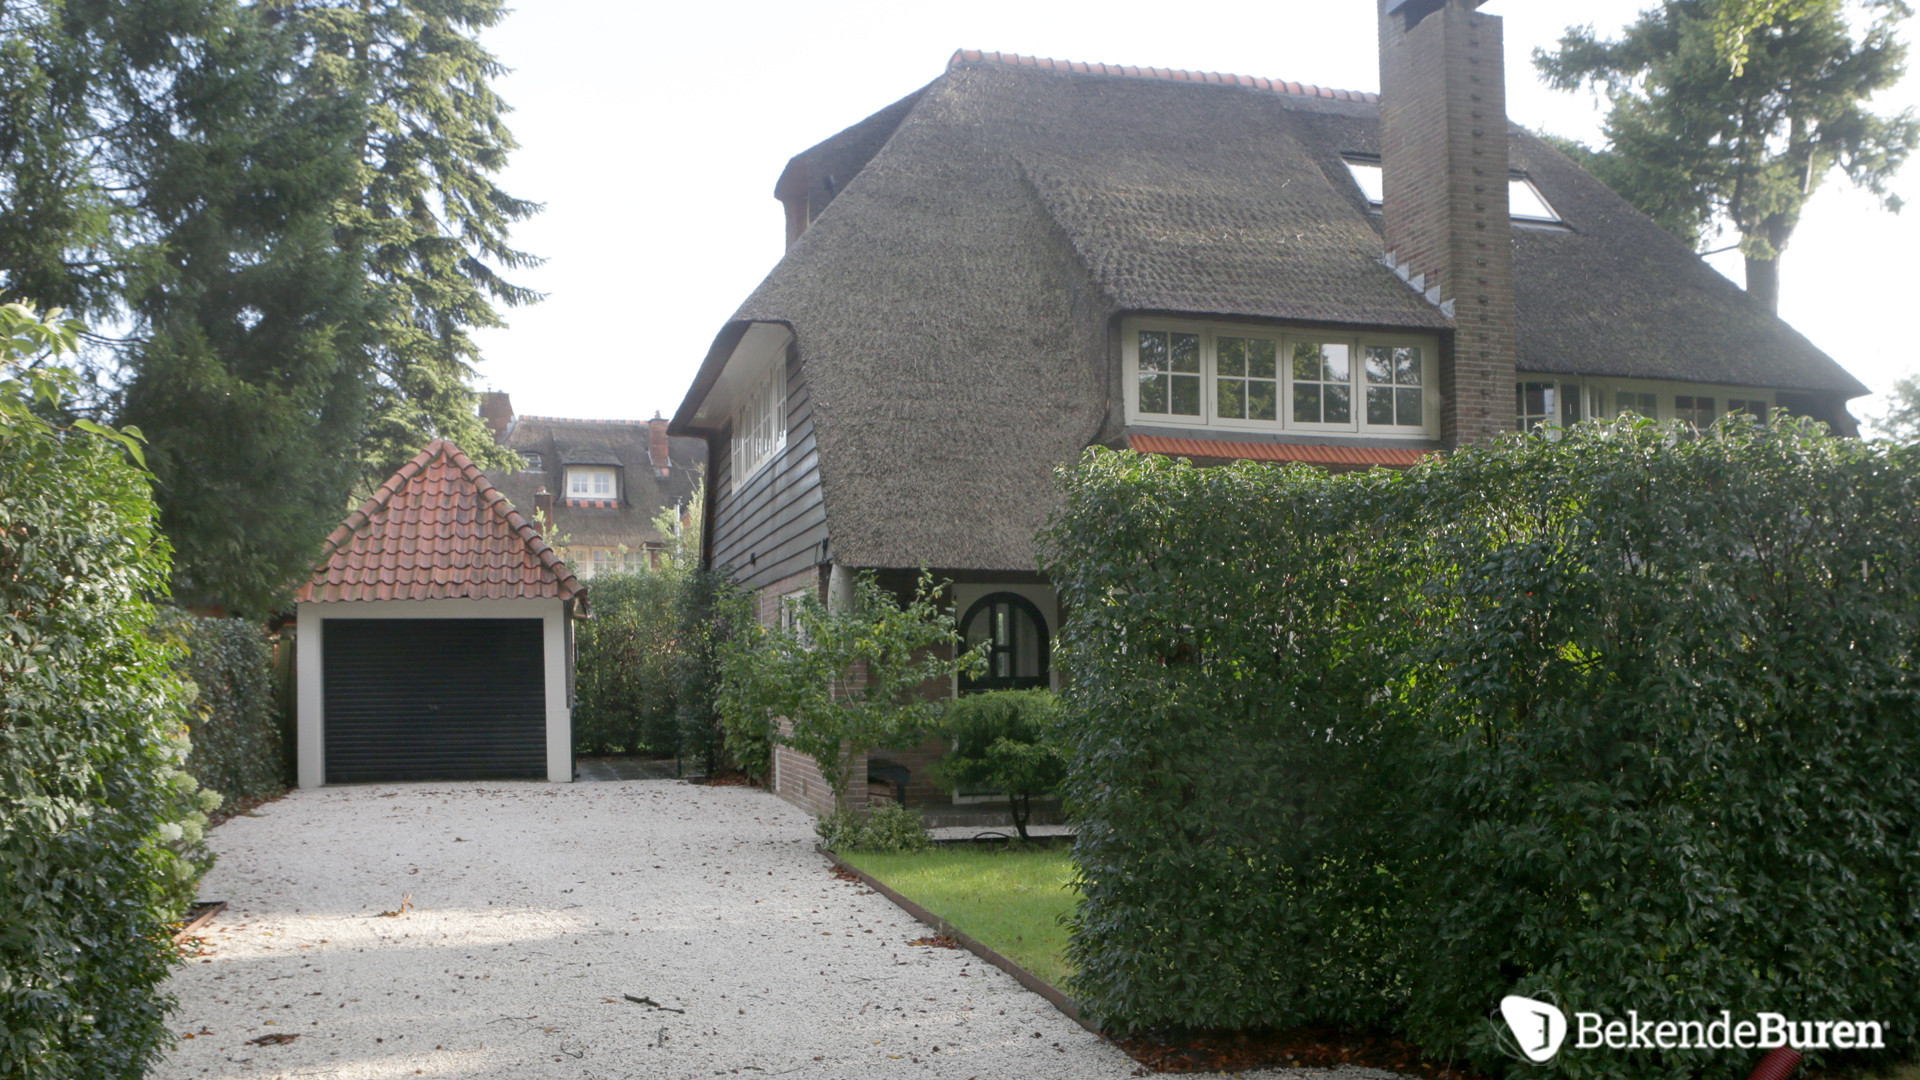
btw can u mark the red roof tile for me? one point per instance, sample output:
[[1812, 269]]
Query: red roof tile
[[976, 56], [1312, 453], [438, 530]]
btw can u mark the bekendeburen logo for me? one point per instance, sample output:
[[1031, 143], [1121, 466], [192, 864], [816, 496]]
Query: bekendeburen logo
[[1540, 1029]]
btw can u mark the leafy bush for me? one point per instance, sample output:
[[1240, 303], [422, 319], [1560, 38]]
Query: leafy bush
[[846, 677], [1005, 741], [99, 828], [236, 726], [626, 667], [712, 611], [1624, 721], [890, 829]]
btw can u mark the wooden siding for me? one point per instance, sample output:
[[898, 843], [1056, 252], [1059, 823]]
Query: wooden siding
[[776, 525]]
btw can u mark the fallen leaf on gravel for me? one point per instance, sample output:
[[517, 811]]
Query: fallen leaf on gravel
[[937, 941], [274, 1039]]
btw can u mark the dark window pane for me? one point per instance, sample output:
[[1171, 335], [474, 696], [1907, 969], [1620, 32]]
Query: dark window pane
[[1306, 362], [1233, 356], [1231, 402], [1260, 400], [1379, 405], [1153, 393], [1306, 403], [1262, 355], [1186, 352], [1409, 407], [1153, 351], [1339, 404], [1186, 395]]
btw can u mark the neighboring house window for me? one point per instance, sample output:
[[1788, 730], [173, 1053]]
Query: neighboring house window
[[1014, 633], [760, 424], [1753, 407], [533, 461], [1694, 409], [1640, 403], [1524, 201], [590, 482], [1254, 379], [1538, 405]]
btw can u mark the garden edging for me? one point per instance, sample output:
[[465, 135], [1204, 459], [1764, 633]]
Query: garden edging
[[1020, 975]]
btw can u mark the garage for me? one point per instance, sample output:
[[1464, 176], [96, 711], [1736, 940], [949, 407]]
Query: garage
[[435, 638]]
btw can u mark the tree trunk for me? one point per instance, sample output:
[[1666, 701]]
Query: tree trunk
[[1763, 282]]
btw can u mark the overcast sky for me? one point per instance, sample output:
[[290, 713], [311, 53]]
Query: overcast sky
[[654, 132]]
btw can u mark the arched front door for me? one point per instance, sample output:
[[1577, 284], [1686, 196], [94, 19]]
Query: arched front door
[[1018, 645]]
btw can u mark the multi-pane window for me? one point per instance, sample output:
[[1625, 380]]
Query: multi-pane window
[[760, 423], [1322, 383], [1754, 407], [1169, 372], [1252, 379], [590, 483], [1247, 386], [1394, 386], [1637, 402], [1694, 409], [1537, 405]]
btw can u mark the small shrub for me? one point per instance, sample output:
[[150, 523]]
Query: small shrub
[[891, 829], [1005, 741]]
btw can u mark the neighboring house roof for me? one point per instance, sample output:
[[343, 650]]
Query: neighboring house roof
[[953, 303], [438, 529], [560, 441]]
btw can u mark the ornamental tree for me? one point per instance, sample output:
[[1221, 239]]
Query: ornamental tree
[[844, 677]]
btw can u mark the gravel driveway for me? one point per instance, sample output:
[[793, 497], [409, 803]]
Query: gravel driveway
[[536, 908]]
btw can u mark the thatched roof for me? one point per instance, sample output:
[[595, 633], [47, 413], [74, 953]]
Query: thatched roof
[[954, 304]]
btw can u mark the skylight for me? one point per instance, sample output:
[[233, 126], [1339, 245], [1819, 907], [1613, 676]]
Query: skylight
[[1524, 201]]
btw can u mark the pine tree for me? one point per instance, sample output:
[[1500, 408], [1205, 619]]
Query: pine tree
[[425, 210], [250, 371], [1728, 114]]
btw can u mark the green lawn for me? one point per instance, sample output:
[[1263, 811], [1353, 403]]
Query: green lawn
[[1011, 900]]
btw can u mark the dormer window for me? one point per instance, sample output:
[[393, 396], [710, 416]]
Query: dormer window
[[534, 462], [1524, 201], [590, 482], [760, 423]]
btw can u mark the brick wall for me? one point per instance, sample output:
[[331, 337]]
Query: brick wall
[[1443, 145]]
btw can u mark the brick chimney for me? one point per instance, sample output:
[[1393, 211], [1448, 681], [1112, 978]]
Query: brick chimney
[[496, 408], [543, 506], [659, 450], [1443, 150]]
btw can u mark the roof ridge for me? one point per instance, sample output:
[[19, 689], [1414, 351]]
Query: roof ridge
[[490, 496], [579, 419], [1278, 86]]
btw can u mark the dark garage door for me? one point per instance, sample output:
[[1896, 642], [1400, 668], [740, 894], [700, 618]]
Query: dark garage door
[[434, 699]]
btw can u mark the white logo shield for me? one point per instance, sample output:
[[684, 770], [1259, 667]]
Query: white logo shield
[[1538, 1027]]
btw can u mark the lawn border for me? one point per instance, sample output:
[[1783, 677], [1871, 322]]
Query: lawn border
[[992, 956]]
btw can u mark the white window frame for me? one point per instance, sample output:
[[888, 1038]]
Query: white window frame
[[760, 423], [1369, 176], [1286, 337], [1601, 396], [584, 476]]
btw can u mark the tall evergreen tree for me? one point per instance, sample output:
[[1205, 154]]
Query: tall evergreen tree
[[250, 371], [1728, 114], [425, 209]]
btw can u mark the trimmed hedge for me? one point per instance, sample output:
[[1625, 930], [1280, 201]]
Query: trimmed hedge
[[627, 669], [236, 726], [1625, 721], [99, 829]]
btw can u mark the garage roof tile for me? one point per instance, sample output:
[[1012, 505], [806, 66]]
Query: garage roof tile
[[436, 530]]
